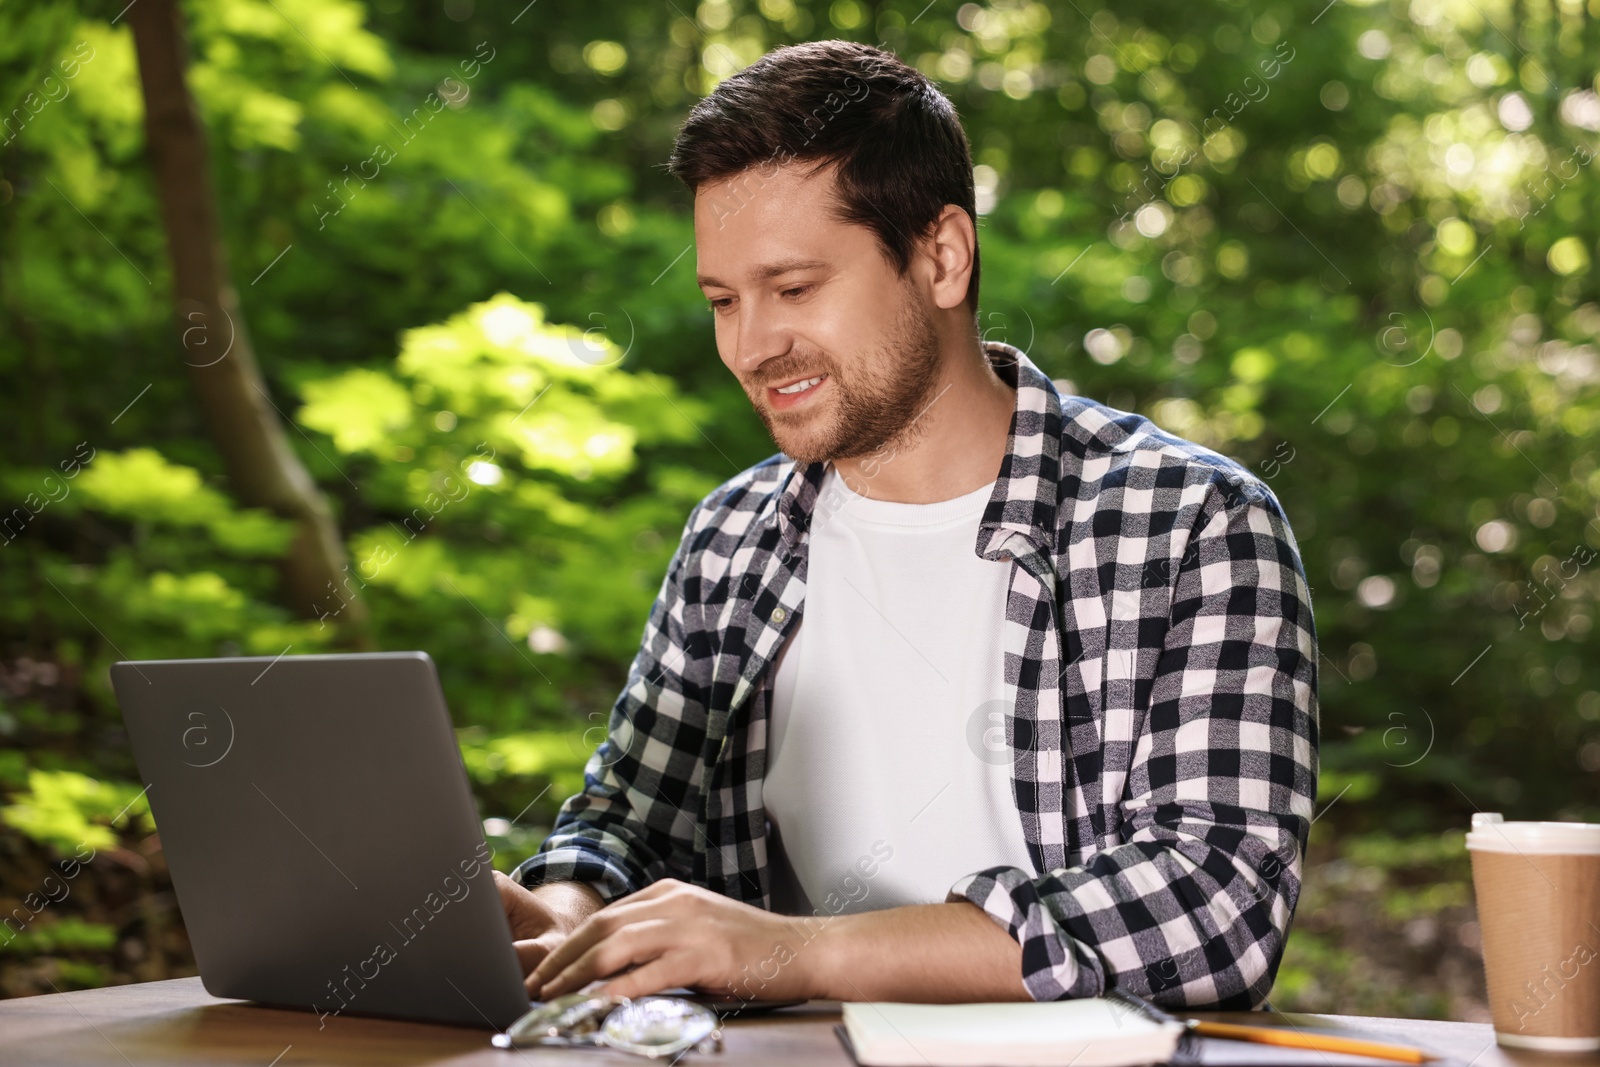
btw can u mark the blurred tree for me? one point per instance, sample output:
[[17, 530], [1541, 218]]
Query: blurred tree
[[244, 423]]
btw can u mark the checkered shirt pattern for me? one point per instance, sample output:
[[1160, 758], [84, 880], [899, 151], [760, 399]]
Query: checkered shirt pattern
[[1161, 683]]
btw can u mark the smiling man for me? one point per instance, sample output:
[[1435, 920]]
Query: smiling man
[[975, 690]]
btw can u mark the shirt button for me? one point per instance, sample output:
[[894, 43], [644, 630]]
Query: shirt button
[[778, 614]]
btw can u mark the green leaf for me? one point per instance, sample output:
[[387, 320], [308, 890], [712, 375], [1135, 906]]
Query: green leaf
[[72, 812]]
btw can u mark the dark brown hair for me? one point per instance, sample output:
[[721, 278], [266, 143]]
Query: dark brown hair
[[901, 151]]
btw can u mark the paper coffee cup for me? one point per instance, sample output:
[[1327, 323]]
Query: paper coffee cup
[[1538, 889]]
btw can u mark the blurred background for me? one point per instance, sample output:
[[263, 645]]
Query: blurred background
[[472, 392]]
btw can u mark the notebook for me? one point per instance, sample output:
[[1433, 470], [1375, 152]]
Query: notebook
[[1091, 1032]]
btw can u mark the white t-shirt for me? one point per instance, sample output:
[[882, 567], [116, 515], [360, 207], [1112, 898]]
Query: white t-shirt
[[886, 779]]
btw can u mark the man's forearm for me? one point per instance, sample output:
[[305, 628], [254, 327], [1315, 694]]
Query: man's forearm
[[935, 953]]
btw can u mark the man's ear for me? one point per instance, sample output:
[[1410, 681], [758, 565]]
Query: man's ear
[[951, 245]]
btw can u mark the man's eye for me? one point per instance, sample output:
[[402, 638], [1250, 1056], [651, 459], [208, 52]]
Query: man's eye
[[720, 303], [796, 289]]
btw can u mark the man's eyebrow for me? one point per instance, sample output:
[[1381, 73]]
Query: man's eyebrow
[[769, 270]]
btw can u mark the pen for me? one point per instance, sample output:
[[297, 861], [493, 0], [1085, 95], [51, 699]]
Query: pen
[[1274, 1035]]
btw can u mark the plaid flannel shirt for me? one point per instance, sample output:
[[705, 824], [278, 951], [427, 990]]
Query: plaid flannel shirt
[[1161, 676]]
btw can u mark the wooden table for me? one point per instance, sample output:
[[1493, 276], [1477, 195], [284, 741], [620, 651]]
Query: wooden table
[[177, 1022]]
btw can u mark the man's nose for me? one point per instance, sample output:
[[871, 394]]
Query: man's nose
[[763, 332]]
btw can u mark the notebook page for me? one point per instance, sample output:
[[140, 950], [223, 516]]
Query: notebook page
[[1092, 1031]]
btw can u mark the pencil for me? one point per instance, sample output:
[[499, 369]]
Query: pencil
[[1272, 1035]]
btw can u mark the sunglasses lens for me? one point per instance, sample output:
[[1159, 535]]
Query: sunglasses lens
[[658, 1026]]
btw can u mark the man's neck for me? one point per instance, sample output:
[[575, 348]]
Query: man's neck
[[955, 444]]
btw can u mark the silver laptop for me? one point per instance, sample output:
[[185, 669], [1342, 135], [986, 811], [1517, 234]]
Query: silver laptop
[[322, 837]]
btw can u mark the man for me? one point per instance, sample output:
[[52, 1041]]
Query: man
[[974, 691]]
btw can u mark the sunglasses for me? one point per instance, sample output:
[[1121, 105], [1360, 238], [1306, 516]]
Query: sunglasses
[[650, 1026]]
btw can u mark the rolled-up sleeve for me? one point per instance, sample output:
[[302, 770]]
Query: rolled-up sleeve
[[1193, 906]]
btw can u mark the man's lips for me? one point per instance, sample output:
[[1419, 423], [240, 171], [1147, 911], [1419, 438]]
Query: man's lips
[[780, 401]]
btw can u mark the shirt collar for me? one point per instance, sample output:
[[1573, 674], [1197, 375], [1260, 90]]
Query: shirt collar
[[1026, 486]]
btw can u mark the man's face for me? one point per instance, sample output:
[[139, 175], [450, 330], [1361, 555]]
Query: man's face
[[799, 296]]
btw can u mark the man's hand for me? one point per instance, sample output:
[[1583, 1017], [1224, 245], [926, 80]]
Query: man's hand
[[673, 934], [543, 917]]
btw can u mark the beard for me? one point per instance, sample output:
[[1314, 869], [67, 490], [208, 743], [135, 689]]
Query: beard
[[878, 402]]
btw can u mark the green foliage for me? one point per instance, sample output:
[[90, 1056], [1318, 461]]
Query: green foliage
[[548, 752], [1385, 927], [140, 485], [504, 460], [504, 767], [70, 811], [66, 935]]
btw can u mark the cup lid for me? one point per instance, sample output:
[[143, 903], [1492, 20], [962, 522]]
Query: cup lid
[[1491, 833]]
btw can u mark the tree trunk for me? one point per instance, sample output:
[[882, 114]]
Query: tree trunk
[[262, 469]]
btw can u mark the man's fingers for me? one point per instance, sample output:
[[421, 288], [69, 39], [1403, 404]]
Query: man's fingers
[[634, 944], [668, 971], [523, 914], [638, 942], [590, 931], [595, 929], [530, 954], [509, 899]]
